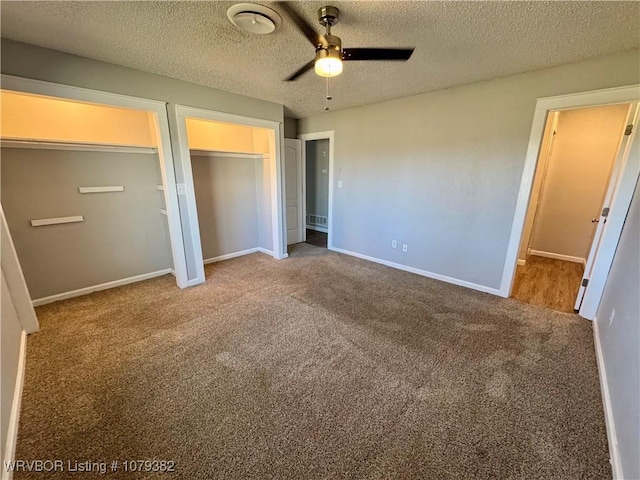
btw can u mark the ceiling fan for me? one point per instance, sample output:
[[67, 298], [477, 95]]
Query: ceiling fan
[[329, 51]]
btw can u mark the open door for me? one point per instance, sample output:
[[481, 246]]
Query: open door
[[614, 183], [293, 186]]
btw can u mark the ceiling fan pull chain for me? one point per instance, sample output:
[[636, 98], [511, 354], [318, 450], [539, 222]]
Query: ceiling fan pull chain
[[327, 96]]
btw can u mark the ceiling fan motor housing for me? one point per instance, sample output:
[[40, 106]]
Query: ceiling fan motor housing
[[328, 16]]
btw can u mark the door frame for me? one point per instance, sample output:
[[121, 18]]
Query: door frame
[[620, 202], [300, 184], [183, 157], [305, 137], [159, 111]]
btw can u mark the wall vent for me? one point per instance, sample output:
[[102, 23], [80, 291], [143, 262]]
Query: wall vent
[[316, 220]]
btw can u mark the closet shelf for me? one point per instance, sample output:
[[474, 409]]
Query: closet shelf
[[223, 154], [74, 146]]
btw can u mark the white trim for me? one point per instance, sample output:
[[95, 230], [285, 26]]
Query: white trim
[[317, 229], [84, 95], [163, 211], [105, 189], [74, 146], [14, 418], [15, 279], [522, 262], [627, 94], [417, 271], [222, 154], [269, 252], [102, 286], [160, 187], [158, 121], [330, 134], [609, 421], [56, 221], [222, 117], [557, 256]]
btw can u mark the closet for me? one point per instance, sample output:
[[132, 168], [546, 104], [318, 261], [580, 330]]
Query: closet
[[82, 191], [231, 173]]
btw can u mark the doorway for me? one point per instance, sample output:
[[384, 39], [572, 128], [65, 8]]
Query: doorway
[[317, 188], [580, 168], [579, 149]]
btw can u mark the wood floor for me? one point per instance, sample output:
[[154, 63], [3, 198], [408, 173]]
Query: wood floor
[[318, 239], [548, 283]]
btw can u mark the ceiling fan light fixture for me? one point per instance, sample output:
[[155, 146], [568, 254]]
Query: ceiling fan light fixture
[[328, 62]]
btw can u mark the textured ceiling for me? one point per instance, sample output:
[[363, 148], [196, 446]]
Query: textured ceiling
[[456, 43]]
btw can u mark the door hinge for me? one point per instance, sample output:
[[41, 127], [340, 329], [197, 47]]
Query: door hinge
[[585, 282], [628, 130], [605, 212]]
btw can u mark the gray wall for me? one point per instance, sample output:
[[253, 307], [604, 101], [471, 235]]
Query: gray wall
[[10, 335], [29, 61], [441, 171], [317, 183], [619, 328], [123, 234], [227, 202], [290, 127]]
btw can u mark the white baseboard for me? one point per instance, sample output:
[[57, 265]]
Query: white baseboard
[[614, 452], [228, 256], [97, 288], [417, 271], [558, 256], [522, 262], [237, 254], [317, 229], [241, 253], [12, 431]]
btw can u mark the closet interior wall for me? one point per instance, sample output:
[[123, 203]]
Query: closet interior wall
[[231, 174], [82, 191]]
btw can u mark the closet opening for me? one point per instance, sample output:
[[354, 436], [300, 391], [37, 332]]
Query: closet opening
[[231, 184], [579, 167], [86, 191], [231, 188]]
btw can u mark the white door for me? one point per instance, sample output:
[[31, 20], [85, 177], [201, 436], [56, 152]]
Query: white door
[[614, 183], [293, 187]]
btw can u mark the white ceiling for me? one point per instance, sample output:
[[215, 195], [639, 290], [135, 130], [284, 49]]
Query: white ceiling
[[456, 43]]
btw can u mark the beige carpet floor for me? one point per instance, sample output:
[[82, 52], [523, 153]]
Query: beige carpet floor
[[321, 366]]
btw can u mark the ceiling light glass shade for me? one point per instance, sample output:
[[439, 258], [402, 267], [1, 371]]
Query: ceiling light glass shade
[[328, 63]]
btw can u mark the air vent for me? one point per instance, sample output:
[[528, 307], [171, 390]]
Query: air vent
[[252, 18], [316, 220]]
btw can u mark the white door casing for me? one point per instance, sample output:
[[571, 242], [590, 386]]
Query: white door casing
[[305, 137], [620, 203], [614, 184], [293, 186]]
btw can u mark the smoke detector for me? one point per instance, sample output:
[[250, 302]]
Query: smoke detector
[[252, 18]]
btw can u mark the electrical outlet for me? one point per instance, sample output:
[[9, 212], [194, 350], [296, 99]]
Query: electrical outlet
[[394, 244], [339, 183], [405, 247]]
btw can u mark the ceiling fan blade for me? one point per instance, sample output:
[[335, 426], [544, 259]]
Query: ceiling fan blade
[[307, 30], [301, 71], [398, 54]]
